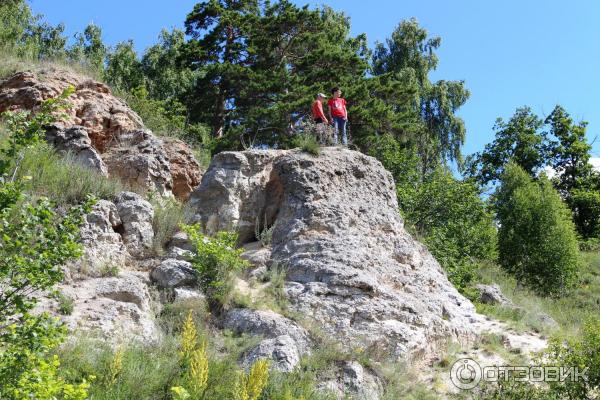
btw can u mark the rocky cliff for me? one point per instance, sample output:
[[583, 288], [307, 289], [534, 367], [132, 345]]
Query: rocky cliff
[[350, 264]]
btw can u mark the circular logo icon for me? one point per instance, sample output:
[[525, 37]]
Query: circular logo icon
[[465, 374]]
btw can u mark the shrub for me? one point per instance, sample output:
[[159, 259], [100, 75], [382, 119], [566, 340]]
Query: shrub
[[582, 352], [34, 242], [217, 261], [537, 239]]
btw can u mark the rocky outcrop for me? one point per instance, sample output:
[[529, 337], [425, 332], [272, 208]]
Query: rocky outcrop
[[140, 160], [351, 266], [239, 191], [103, 246], [184, 168], [76, 141], [117, 309], [173, 273], [94, 108], [104, 133], [136, 223]]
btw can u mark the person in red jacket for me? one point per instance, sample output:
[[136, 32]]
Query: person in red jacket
[[339, 115], [319, 117]]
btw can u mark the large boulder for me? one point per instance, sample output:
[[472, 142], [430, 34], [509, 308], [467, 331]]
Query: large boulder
[[136, 223], [103, 246], [140, 160], [236, 192], [173, 273], [285, 342], [76, 141], [115, 308], [184, 168], [351, 266]]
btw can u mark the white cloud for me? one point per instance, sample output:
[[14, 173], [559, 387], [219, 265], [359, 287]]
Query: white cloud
[[551, 173]]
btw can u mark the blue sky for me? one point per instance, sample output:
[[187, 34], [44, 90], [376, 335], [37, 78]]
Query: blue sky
[[510, 53]]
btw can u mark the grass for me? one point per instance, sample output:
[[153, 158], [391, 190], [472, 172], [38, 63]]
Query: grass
[[569, 311], [11, 63], [62, 178], [169, 214], [65, 303], [147, 372], [307, 143]]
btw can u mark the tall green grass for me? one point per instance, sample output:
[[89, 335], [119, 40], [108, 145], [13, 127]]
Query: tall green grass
[[62, 178]]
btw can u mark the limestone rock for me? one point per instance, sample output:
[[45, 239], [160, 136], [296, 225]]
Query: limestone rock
[[105, 127], [136, 216], [188, 293], [76, 141], [140, 160], [116, 309], [492, 294], [181, 240], [268, 324], [93, 107], [179, 254], [282, 351], [103, 246], [353, 379], [237, 192], [184, 168], [257, 255], [174, 273], [351, 266]]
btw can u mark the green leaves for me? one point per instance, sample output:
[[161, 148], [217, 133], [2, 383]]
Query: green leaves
[[217, 260], [537, 241]]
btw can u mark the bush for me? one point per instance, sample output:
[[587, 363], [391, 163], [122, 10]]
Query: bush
[[582, 352], [537, 239], [217, 261]]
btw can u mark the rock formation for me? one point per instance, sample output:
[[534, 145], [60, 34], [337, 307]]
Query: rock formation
[[351, 265], [104, 133]]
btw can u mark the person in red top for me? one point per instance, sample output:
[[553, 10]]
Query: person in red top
[[319, 117], [317, 110], [339, 115]]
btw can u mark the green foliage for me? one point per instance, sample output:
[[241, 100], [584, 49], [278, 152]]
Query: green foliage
[[169, 215], [308, 143], [217, 261], [65, 303], [62, 178], [436, 132], [519, 140], [537, 241], [123, 69], [89, 49], [581, 352], [35, 242]]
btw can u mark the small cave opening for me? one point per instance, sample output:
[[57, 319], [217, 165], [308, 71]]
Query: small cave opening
[[267, 211]]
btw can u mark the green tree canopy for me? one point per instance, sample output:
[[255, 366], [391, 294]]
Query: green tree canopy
[[536, 240]]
